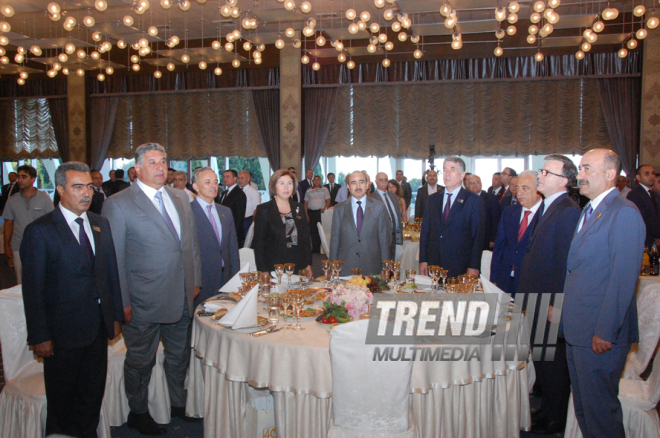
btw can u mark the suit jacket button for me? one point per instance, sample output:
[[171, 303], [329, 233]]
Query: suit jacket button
[[568, 272]]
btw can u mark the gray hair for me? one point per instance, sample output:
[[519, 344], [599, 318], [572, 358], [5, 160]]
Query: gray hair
[[198, 172], [612, 161], [568, 171], [60, 173], [366, 176], [181, 172], [457, 160], [531, 173], [144, 148]]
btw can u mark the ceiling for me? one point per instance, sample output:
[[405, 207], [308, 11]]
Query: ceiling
[[203, 23]]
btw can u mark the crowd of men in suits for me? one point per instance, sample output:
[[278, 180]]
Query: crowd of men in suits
[[138, 257]]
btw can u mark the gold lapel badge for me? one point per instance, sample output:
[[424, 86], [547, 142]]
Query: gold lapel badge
[[95, 228], [599, 215], [460, 201]]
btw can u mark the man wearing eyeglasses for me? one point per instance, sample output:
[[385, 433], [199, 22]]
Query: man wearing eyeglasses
[[506, 197], [543, 271]]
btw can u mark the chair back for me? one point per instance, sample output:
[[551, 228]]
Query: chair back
[[648, 309], [16, 353], [367, 395], [249, 236], [246, 255], [654, 381], [326, 220], [486, 257], [324, 240]]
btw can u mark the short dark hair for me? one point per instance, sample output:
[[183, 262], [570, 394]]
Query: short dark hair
[[568, 171], [129, 169], [169, 169], [639, 169], [331, 174], [13, 173], [497, 173], [232, 171], [60, 173], [512, 172], [119, 173], [27, 169], [291, 168]]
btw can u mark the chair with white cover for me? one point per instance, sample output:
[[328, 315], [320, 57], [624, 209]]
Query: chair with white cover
[[648, 309], [246, 256], [249, 236], [362, 405], [326, 221], [486, 257], [324, 240], [23, 400]]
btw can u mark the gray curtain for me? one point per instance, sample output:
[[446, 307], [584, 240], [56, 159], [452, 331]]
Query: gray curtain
[[267, 110], [103, 115], [59, 116], [319, 109], [26, 130], [620, 99]]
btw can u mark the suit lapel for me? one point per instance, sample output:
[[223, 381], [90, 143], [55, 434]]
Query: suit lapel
[[178, 204], [348, 214], [596, 214], [456, 205], [551, 209], [67, 236]]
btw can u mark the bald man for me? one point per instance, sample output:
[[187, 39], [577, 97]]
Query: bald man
[[393, 211]]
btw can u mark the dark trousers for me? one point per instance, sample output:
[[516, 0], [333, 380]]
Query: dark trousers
[[141, 340], [315, 218], [595, 384], [75, 384], [246, 226], [555, 382]]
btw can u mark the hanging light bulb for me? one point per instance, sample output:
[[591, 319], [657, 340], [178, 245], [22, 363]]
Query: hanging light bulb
[[351, 14], [81, 54], [80, 72], [379, 3], [100, 5], [19, 58], [350, 64], [89, 21], [641, 33], [548, 28], [362, 25], [135, 59], [365, 16], [3, 40], [306, 7], [4, 26], [320, 41], [538, 57], [297, 43], [375, 27], [417, 53], [353, 28], [170, 66], [498, 51], [539, 6], [652, 22], [554, 3], [236, 63], [316, 66], [639, 10], [128, 20], [341, 57], [450, 22], [100, 77], [69, 24], [289, 32], [247, 46], [121, 44], [623, 52], [586, 46], [153, 30], [512, 18], [547, 13], [579, 54], [531, 39], [535, 17], [308, 31], [20, 81], [184, 5], [456, 44], [136, 67], [4, 60], [389, 46], [166, 4], [632, 44], [109, 70], [386, 62], [279, 43], [371, 48], [388, 14], [144, 51], [289, 5], [96, 36], [500, 14], [3, 52], [445, 10], [185, 58], [403, 36], [36, 50], [553, 18], [304, 59], [514, 7], [63, 57], [511, 30], [202, 65], [23, 74], [382, 38], [217, 71], [396, 26], [499, 34], [598, 26], [339, 46], [65, 71]]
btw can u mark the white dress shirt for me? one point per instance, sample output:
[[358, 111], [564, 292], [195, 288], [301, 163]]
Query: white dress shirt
[[191, 195], [432, 190], [594, 205], [454, 194], [214, 213], [253, 200], [533, 210], [167, 201], [342, 194], [550, 199], [70, 218]]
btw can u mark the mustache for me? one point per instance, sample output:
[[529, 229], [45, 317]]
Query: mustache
[[583, 182], [85, 199]]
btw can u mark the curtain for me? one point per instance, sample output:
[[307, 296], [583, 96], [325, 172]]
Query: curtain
[[620, 99], [470, 118], [188, 125], [34, 87], [318, 112], [267, 112], [27, 130], [59, 114], [102, 122]]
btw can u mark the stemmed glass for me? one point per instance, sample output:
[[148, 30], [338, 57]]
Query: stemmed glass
[[336, 269], [285, 300], [327, 264], [396, 270], [289, 268], [304, 279], [387, 266], [245, 277], [298, 302], [434, 273], [264, 282], [279, 270]]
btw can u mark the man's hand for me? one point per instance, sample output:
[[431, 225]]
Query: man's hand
[[45, 349], [550, 314], [196, 293], [423, 269], [600, 346], [308, 271], [128, 314], [8, 252], [117, 329], [473, 271], [491, 245]]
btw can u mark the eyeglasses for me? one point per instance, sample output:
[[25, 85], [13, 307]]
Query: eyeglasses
[[545, 172]]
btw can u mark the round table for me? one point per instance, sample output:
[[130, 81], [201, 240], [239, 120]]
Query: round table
[[465, 398], [409, 258]]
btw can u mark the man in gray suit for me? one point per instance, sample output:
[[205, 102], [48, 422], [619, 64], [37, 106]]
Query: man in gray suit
[[405, 187], [160, 275], [360, 230], [600, 315], [218, 245], [392, 207]]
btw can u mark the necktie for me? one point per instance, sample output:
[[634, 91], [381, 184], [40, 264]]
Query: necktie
[[166, 217], [542, 209], [655, 204], [523, 225], [84, 241], [502, 194], [391, 210], [213, 224], [445, 212], [359, 216], [587, 213], [224, 195]]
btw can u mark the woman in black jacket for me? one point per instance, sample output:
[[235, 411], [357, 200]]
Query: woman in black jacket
[[281, 231]]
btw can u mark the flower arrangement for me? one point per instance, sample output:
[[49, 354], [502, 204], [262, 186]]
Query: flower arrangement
[[355, 298]]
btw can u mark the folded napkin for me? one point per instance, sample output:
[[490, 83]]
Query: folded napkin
[[490, 288], [244, 313], [235, 282], [213, 306], [423, 280]]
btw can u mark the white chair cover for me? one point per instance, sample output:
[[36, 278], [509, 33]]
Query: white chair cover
[[246, 256], [648, 309], [324, 241], [363, 404], [326, 221], [23, 400], [249, 236], [486, 257]]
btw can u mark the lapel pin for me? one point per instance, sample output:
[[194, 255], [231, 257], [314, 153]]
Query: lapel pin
[[460, 201], [95, 228], [370, 209], [297, 210], [599, 215]]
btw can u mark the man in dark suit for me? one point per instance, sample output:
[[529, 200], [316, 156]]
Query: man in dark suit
[[296, 194], [543, 271], [392, 207], [234, 198], [333, 188], [108, 183], [506, 197], [118, 184], [216, 233], [9, 189], [514, 231], [431, 187], [405, 187], [496, 186], [648, 203], [306, 184], [160, 274], [492, 209], [100, 194], [454, 225], [72, 302], [599, 312]]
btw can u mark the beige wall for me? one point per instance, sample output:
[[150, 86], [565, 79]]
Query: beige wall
[[77, 129], [290, 108], [650, 123]]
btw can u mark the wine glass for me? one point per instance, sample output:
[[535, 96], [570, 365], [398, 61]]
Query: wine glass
[[298, 302], [304, 279], [387, 265], [410, 276], [279, 270], [288, 269], [434, 273], [245, 277], [327, 264], [396, 270], [336, 269], [285, 301], [443, 275]]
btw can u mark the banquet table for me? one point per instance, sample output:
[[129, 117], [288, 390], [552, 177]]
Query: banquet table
[[465, 398], [409, 258], [645, 280]]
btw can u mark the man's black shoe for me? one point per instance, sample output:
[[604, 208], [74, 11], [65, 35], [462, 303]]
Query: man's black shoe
[[145, 424], [548, 428], [180, 412]]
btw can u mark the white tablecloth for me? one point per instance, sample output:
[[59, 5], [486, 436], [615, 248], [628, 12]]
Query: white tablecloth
[[409, 258], [645, 280], [465, 398]]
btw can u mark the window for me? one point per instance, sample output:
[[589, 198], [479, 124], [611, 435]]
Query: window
[[485, 167], [45, 172]]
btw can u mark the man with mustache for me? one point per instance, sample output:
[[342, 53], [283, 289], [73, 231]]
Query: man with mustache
[[72, 302], [599, 318]]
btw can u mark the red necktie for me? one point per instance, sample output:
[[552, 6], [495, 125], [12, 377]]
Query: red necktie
[[523, 225]]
